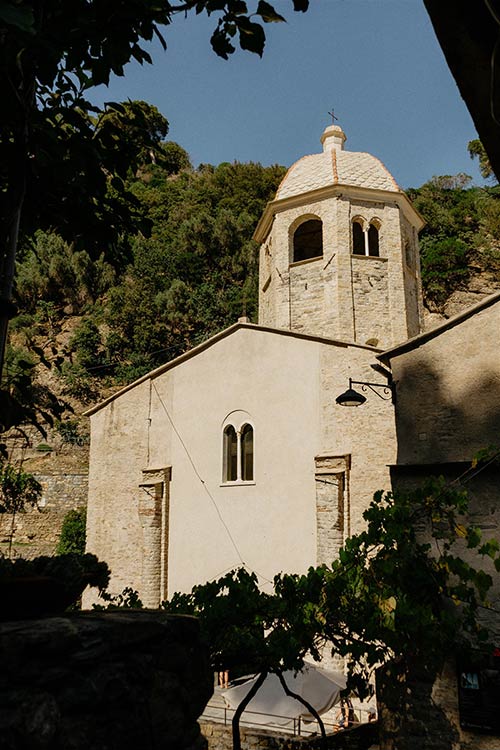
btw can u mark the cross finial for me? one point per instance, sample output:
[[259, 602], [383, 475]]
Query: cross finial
[[332, 115]]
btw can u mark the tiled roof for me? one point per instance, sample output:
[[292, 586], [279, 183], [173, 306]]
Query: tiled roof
[[336, 167]]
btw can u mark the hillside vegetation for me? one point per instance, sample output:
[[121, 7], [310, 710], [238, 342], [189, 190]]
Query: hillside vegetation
[[89, 321], [461, 239]]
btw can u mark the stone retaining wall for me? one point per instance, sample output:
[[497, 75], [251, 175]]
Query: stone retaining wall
[[103, 681], [219, 737], [37, 530]]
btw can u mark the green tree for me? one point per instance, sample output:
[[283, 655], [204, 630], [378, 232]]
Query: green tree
[[444, 267], [73, 533], [51, 54], [406, 591], [87, 344], [23, 398], [476, 149], [18, 490], [461, 236], [198, 271], [139, 128], [248, 630]]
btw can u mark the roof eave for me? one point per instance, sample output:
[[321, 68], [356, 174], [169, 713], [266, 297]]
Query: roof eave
[[212, 340], [283, 204], [422, 338]]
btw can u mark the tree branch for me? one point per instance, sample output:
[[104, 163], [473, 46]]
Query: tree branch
[[244, 703], [305, 703]]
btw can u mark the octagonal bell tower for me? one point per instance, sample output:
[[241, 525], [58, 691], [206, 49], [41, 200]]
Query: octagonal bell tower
[[339, 250]]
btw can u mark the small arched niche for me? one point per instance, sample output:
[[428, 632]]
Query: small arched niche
[[308, 240]]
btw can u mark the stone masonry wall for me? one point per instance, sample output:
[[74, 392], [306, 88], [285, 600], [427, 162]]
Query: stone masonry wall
[[371, 299], [448, 392], [366, 434], [219, 737], [412, 278], [284, 299], [37, 530], [422, 714], [103, 681], [341, 295], [310, 283], [332, 479]]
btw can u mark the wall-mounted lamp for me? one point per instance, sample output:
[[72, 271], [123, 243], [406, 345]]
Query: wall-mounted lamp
[[353, 398]]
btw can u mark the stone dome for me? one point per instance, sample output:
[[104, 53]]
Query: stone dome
[[334, 166]]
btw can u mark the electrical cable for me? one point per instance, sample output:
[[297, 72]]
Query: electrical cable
[[200, 478], [202, 481]]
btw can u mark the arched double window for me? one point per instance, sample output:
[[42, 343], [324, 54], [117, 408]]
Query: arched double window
[[308, 240], [365, 240], [238, 453]]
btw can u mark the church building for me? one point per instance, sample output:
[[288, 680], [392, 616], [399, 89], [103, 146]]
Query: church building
[[237, 452], [244, 451]]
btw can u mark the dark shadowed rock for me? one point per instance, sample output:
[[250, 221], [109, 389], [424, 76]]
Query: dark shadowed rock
[[103, 681]]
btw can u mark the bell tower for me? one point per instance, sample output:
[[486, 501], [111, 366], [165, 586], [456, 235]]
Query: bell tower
[[339, 250]]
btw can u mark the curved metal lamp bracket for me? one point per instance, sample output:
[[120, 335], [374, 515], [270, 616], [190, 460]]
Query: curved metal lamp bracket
[[386, 392]]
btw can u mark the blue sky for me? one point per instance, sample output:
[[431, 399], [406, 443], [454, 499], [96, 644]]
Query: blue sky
[[377, 62]]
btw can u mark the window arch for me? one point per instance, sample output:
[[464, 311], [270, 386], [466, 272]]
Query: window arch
[[308, 240], [237, 449]]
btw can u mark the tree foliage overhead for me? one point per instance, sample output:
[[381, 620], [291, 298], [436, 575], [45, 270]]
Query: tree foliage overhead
[[51, 53]]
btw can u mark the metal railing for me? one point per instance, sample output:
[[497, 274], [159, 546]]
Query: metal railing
[[219, 714]]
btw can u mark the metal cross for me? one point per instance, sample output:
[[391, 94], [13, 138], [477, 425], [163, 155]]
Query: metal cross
[[332, 115]]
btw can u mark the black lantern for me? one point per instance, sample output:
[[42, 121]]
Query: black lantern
[[353, 398]]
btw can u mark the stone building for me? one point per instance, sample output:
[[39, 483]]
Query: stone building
[[447, 384], [236, 452]]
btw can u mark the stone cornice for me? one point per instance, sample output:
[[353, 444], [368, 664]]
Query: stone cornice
[[335, 191]]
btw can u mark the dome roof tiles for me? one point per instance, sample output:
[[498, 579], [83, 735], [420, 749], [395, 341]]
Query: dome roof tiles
[[336, 167]]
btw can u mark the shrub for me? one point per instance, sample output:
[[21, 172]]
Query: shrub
[[87, 344], [78, 383], [69, 431], [73, 533]]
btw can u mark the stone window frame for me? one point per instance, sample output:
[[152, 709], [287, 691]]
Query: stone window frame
[[238, 420], [294, 226], [374, 222]]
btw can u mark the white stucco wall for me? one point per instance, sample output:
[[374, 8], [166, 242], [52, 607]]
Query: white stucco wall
[[287, 384]]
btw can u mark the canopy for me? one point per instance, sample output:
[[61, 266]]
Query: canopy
[[320, 687]]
